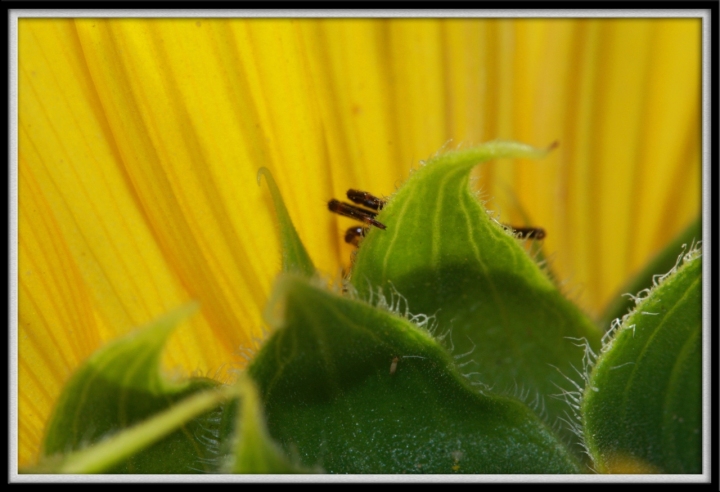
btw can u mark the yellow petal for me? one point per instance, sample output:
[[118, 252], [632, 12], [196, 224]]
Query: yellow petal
[[180, 156], [57, 327], [622, 98]]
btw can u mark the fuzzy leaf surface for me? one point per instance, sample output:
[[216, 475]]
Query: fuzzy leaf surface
[[643, 406], [355, 389], [661, 262], [447, 257], [254, 450]]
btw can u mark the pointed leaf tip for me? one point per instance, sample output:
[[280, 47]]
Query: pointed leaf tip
[[111, 451], [294, 255], [121, 385], [447, 257]]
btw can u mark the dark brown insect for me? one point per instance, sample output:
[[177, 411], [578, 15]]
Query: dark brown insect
[[354, 212], [375, 204], [367, 200]]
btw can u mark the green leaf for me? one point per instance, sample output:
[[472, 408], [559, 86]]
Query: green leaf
[[662, 262], [113, 450], [643, 405], [255, 451], [355, 389], [500, 314], [120, 386], [294, 256]]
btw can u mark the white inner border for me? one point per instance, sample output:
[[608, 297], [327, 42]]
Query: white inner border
[[15, 15]]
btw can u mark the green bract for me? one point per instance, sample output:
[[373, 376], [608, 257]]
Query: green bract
[[643, 406], [448, 351], [360, 390], [119, 387], [294, 256], [507, 323], [118, 415]]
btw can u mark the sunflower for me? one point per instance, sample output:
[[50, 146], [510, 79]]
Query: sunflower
[[140, 142]]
